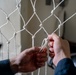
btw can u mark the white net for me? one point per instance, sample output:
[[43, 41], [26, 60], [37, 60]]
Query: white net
[[10, 28]]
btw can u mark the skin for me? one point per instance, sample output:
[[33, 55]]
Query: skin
[[58, 48], [29, 60], [33, 58]]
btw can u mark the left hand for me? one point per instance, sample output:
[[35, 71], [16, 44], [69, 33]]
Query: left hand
[[29, 60]]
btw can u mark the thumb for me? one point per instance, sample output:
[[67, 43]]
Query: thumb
[[33, 49]]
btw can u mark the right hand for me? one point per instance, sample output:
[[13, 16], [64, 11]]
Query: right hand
[[59, 48]]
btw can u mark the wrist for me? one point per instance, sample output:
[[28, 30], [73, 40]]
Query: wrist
[[13, 65], [59, 57]]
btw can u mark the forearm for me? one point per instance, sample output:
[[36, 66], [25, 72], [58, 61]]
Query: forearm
[[65, 67], [5, 68]]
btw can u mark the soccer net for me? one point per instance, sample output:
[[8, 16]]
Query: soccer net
[[32, 28]]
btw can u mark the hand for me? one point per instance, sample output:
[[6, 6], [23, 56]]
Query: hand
[[59, 48], [29, 60]]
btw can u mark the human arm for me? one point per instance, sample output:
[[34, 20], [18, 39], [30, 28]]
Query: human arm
[[5, 68], [65, 67], [29, 60], [60, 52]]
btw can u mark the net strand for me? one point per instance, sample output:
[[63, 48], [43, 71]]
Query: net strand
[[64, 22], [9, 21], [59, 24], [53, 4], [53, 11]]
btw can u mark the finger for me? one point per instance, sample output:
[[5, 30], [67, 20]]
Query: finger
[[43, 49], [51, 54], [50, 44], [33, 49], [41, 55], [51, 49], [40, 64], [41, 59], [53, 37]]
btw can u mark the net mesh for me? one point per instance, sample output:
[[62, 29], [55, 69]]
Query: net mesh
[[16, 32]]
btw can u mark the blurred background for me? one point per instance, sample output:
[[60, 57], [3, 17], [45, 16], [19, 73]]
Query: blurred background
[[13, 40]]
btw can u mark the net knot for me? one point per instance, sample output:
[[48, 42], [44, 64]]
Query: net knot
[[8, 42], [8, 18], [41, 25], [44, 43], [33, 37], [59, 25]]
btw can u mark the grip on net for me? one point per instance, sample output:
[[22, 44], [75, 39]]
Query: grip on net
[[50, 60]]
